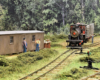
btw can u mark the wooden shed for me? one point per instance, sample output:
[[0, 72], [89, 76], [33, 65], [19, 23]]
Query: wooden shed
[[11, 41]]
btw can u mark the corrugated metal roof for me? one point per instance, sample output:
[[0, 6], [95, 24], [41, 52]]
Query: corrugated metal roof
[[20, 32]]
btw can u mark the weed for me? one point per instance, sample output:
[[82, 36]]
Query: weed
[[15, 65], [95, 56], [56, 45], [72, 74]]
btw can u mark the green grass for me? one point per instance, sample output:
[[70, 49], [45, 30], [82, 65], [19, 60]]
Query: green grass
[[27, 59], [24, 63], [56, 37], [76, 63], [95, 56], [30, 68]]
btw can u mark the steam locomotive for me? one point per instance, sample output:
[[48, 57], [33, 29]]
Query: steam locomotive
[[79, 34]]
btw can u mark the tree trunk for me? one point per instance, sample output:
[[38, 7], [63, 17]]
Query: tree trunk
[[98, 3], [63, 15], [82, 10], [66, 11]]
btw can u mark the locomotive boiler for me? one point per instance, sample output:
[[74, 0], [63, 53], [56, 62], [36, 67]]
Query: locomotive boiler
[[79, 34]]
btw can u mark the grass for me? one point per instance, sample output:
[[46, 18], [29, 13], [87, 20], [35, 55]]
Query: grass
[[75, 63], [28, 68], [60, 46], [23, 62]]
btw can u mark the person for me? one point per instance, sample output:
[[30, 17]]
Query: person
[[92, 38], [37, 44], [24, 45], [88, 53]]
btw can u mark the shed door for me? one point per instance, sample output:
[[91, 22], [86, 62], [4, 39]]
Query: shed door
[[29, 41]]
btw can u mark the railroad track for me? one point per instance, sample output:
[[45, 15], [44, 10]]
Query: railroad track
[[91, 45], [95, 76], [36, 75], [35, 72]]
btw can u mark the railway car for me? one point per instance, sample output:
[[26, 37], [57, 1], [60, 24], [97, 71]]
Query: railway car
[[79, 34]]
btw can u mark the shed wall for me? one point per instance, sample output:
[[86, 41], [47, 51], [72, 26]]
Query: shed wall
[[16, 46]]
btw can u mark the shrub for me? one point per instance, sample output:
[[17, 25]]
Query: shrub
[[56, 45], [95, 56], [14, 68], [53, 39], [16, 62], [39, 57], [15, 65], [46, 37], [4, 62], [96, 34], [62, 36], [3, 71], [85, 59], [47, 52], [74, 70], [72, 74], [27, 58]]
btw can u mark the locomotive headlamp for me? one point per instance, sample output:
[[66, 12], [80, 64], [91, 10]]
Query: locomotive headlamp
[[74, 33]]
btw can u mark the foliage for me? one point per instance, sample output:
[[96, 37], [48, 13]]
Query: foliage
[[85, 59], [56, 45], [72, 74], [15, 65], [48, 15], [3, 61], [95, 56], [62, 36], [55, 37]]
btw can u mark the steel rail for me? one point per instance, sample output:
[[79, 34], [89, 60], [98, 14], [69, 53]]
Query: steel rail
[[53, 61], [44, 66]]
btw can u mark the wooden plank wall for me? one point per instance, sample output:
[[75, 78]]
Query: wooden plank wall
[[16, 46]]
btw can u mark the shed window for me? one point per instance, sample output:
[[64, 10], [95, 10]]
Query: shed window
[[11, 39], [33, 37]]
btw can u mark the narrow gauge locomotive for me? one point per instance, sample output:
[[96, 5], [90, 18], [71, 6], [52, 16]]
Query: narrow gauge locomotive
[[79, 34]]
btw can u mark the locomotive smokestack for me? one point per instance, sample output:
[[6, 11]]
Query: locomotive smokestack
[[74, 22]]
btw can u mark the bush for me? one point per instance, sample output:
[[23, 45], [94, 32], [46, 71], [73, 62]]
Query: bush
[[62, 36], [74, 70], [72, 74], [53, 39], [96, 34], [4, 62], [14, 68], [16, 62], [95, 56], [46, 37], [56, 45], [27, 58], [15, 65], [85, 59], [3, 71], [47, 52]]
